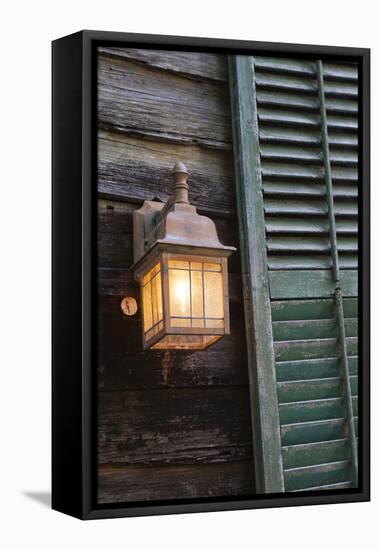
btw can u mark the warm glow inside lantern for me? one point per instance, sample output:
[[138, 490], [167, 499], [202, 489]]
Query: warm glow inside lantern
[[182, 270]]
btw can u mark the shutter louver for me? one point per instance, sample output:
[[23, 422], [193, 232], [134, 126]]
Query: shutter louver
[[314, 399]]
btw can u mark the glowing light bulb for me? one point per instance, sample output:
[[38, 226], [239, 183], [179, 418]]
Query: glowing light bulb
[[181, 291]]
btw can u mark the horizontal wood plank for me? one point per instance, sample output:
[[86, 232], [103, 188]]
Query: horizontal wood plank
[[293, 350], [332, 71], [307, 84], [117, 484], [302, 390], [327, 487], [306, 154], [319, 409], [312, 432], [322, 474], [310, 190], [297, 310], [134, 169], [308, 226], [174, 426], [308, 454], [280, 99], [196, 65], [296, 83], [311, 329], [304, 208], [337, 120], [281, 262], [135, 99], [309, 135], [308, 369], [310, 284], [283, 65], [340, 71], [306, 172]]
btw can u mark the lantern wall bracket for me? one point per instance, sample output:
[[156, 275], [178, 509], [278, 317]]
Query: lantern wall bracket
[[174, 224]]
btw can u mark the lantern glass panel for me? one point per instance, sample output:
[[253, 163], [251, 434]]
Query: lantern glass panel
[[196, 294], [152, 302]]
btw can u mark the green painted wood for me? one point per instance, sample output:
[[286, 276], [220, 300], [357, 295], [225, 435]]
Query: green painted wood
[[341, 89], [268, 98], [294, 350], [307, 119], [310, 284], [308, 208], [328, 487], [304, 84], [285, 65], [301, 390], [309, 136], [292, 173], [308, 226], [310, 244], [307, 454], [312, 261], [354, 388], [318, 409], [332, 71], [325, 122], [288, 117], [305, 154], [293, 310], [311, 389], [312, 369], [264, 404], [312, 432], [310, 190], [322, 474], [309, 329], [335, 71]]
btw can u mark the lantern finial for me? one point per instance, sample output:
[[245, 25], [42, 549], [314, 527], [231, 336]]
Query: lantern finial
[[179, 167], [180, 175]]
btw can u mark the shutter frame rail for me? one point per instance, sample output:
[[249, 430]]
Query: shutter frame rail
[[269, 475], [336, 273]]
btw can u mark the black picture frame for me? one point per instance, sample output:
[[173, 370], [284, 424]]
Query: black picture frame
[[74, 288]]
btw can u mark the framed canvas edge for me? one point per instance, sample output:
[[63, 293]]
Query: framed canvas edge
[[91, 510]]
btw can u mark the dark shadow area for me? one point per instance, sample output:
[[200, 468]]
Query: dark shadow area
[[42, 497]]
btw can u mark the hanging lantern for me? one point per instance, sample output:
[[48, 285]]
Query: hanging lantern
[[182, 270]]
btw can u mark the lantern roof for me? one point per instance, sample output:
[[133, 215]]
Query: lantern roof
[[175, 225]]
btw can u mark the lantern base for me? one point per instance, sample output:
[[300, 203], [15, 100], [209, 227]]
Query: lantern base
[[186, 341]]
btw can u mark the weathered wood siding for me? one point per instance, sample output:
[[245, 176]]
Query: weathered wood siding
[[170, 424]]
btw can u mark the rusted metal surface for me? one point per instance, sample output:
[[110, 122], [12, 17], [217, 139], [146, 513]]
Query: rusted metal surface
[[174, 224]]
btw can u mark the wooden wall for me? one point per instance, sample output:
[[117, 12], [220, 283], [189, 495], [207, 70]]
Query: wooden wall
[[170, 424]]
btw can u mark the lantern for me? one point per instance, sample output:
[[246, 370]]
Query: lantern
[[182, 270]]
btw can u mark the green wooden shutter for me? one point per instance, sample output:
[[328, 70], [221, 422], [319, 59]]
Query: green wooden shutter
[[295, 139]]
